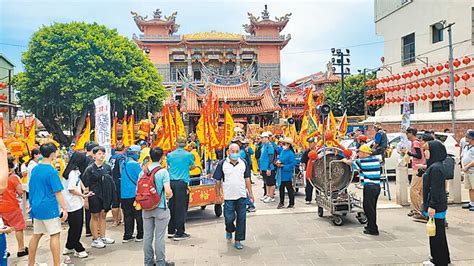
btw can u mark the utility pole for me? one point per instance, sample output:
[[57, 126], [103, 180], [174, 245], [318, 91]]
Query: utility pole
[[338, 60], [442, 25]]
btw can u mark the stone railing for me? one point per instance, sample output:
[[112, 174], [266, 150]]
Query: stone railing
[[159, 38], [266, 38]]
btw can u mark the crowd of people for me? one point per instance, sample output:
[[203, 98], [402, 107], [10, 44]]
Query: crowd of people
[[148, 190]]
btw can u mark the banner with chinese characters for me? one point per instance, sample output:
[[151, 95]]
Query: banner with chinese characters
[[103, 122]]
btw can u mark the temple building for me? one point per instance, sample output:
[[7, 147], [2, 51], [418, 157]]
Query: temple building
[[240, 69]]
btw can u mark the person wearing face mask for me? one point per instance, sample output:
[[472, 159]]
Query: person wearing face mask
[[435, 201], [97, 178], [233, 177], [130, 170], [286, 163]]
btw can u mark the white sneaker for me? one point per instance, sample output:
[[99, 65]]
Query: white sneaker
[[263, 198], [107, 241], [81, 254], [98, 243], [67, 251], [308, 202], [268, 200], [428, 263]]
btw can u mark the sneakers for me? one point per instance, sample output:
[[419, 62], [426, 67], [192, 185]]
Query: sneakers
[[98, 243], [88, 234], [291, 206], [419, 217], [228, 235], [428, 263], [308, 202], [280, 206], [264, 198], [251, 209], [81, 254], [169, 263], [368, 232], [67, 251], [138, 239], [466, 206], [269, 199], [184, 236], [108, 241], [170, 235], [127, 239], [238, 245], [23, 253], [411, 213]]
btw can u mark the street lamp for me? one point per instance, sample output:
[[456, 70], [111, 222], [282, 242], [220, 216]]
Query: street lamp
[[365, 87], [338, 60], [442, 25]]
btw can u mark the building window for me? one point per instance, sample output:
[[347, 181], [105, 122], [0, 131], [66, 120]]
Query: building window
[[440, 106], [197, 75], [408, 49], [412, 108], [436, 35]]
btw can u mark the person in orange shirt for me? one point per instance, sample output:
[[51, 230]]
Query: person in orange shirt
[[10, 209]]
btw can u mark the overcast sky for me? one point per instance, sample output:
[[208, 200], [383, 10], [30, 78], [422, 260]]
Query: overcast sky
[[315, 26]]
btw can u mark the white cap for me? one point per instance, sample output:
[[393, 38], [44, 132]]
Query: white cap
[[264, 135]]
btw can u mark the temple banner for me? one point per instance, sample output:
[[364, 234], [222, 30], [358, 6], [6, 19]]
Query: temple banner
[[103, 122]]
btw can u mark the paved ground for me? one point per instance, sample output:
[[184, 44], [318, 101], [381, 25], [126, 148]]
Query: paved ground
[[291, 237]]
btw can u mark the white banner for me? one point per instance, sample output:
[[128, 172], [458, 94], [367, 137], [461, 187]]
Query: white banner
[[103, 122]]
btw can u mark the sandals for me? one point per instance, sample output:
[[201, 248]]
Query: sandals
[[238, 245]]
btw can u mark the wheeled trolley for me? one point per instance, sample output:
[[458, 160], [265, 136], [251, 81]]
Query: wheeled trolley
[[330, 178], [205, 194]]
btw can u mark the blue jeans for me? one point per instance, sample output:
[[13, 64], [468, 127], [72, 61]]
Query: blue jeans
[[235, 209], [3, 250], [249, 202]]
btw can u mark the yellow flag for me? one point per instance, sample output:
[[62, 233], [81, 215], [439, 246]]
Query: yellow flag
[[179, 122], [131, 129], [125, 138], [331, 122], [114, 131], [342, 128], [228, 126], [85, 136], [31, 140]]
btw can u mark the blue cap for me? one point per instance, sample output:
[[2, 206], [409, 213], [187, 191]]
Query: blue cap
[[133, 149], [142, 142]]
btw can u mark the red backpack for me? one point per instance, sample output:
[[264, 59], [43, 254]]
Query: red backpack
[[147, 196]]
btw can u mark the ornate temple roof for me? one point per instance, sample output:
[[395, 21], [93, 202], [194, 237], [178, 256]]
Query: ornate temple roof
[[169, 21], [191, 103], [255, 22], [316, 78], [212, 35]]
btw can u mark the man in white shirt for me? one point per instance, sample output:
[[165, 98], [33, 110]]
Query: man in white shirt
[[233, 176], [35, 155], [467, 164]]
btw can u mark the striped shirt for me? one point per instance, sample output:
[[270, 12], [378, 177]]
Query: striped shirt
[[369, 169]]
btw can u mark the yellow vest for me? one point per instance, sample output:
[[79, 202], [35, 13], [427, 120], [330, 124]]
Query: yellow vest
[[197, 162]]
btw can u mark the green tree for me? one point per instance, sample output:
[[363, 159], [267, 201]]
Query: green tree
[[354, 102], [68, 65]]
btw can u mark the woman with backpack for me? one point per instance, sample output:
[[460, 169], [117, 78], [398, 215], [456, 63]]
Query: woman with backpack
[[74, 199], [435, 201]]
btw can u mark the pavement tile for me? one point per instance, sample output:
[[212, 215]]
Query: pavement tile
[[364, 245]]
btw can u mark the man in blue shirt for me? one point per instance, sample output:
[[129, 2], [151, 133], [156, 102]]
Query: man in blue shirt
[[179, 163], [115, 163], [380, 141], [370, 170], [45, 195], [267, 168], [155, 221], [130, 169]]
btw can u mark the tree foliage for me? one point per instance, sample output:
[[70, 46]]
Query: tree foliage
[[354, 89], [68, 65]]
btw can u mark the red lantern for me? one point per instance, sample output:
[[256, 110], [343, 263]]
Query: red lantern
[[404, 75], [410, 86], [416, 85], [456, 78], [399, 99], [431, 96], [431, 69], [439, 67], [402, 87], [387, 100], [410, 98], [410, 74], [376, 81], [423, 84], [457, 93], [456, 63], [3, 97], [424, 97], [397, 76], [439, 81], [424, 71], [431, 82], [416, 72], [368, 82], [417, 97], [466, 60], [382, 101], [446, 65], [465, 76], [466, 91], [446, 94], [447, 79], [390, 89], [439, 95]]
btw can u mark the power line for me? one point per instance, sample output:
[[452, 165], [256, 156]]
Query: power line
[[12, 44]]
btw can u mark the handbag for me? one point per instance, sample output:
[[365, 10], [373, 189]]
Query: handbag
[[431, 227]]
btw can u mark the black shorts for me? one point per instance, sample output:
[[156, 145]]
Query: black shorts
[[269, 180], [96, 205]]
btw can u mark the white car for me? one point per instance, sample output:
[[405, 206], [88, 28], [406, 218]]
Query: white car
[[452, 147]]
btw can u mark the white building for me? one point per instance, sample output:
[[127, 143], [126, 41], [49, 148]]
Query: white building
[[412, 42]]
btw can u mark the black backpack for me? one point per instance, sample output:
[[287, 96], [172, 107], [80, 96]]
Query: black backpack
[[448, 167], [258, 151]]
